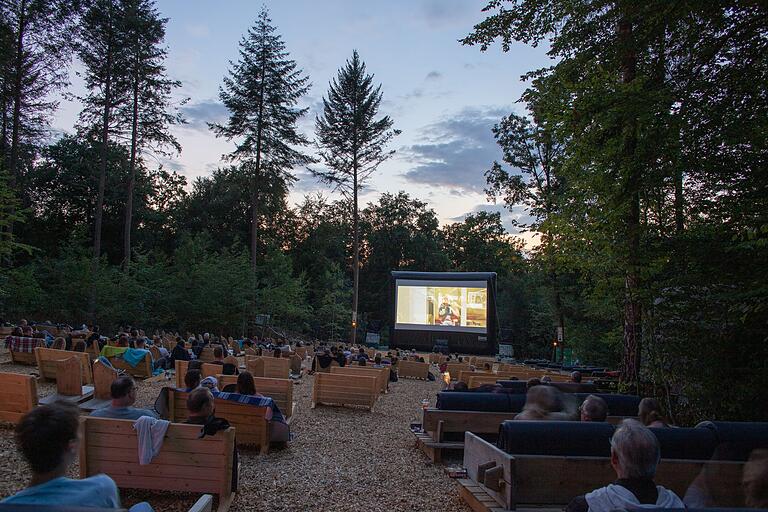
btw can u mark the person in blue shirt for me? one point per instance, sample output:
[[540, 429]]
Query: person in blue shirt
[[123, 393], [47, 436]]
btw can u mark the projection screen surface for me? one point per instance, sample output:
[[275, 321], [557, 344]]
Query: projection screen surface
[[457, 306]]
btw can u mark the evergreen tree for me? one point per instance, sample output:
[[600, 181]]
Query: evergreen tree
[[150, 96], [35, 38], [102, 48], [261, 93], [352, 145]]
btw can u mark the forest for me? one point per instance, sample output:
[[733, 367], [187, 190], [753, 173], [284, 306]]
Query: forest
[[641, 160]]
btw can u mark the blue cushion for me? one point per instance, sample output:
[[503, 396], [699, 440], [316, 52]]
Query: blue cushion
[[736, 440], [685, 443], [556, 438], [489, 402]]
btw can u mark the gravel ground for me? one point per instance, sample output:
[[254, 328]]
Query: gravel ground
[[342, 459]]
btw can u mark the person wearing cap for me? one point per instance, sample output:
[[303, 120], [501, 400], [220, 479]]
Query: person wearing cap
[[210, 383]]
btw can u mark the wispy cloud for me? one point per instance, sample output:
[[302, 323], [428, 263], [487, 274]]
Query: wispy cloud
[[200, 113], [434, 75], [456, 151], [509, 218]]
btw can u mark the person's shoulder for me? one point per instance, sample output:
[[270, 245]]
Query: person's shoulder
[[145, 412], [102, 481], [104, 412]]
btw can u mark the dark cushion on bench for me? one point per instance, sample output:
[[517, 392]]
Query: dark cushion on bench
[[618, 405], [521, 386], [556, 438], [685, 443], [735, 439], [514, 386], [469, 401]]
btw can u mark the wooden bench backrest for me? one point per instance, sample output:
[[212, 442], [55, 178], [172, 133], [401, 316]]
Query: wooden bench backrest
[[455, 369], [380, 374], [155, 352], [103, 377], [270, 367], [206, 355], [279, 390], [186, 462], [18, 396], [465, 375], [413, 369], [437, 358], [554, 480], [301, 352], [249, 421], [47, 357], [207, 370], [344, 389]]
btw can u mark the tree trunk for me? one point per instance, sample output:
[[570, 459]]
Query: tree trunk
[[355, 255], [131, 174], [632, 307], [103, 155], [256, 173]]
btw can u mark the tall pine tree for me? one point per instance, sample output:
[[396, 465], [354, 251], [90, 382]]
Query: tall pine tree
[[102, 48], [148, 113], [261, 93], [352, 145]]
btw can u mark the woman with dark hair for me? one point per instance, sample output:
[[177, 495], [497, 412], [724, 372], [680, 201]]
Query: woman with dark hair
[[650, 413], [179, 353], [245, 384]]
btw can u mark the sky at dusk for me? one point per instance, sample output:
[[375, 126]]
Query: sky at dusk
[[443, 96]]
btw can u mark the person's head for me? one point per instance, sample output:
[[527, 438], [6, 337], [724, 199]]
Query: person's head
[[546, 379], [23, 323], [461, 359], [487, 367], [362, 361], [17, 331], [134, 333], [543, 400], [123, 391], [218, 354], [122, 341], [141, 342], [192, 379], [195, 365], [460, 386], [26, 330], [377, 359], [576, 377], [180, 342], [206, 337], [211, 383], [594, 408], [200, 403], [245, 384], [634, 451], [755, 479], [361, 351], [649, 411], [47, 436]]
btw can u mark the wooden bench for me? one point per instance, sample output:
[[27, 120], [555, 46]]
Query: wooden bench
[[279, 390], [46, 362], [206, 355], [250, 421], [437, 423], [524, 481], [380, 374], [103, 377], [69, 382], [455, 369], [269, 367], [204, 504], [344, 389], [413, 370], [26, 358], [142, 371], [206, 370], [327, 369], [18, 396], [301, 352], [186, 462]]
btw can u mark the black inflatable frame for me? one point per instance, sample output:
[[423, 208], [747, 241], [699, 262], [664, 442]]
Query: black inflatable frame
[[462, 342]]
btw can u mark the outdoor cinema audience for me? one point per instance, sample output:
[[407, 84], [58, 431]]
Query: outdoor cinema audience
[[47, 436], [634, 457], [123, 393]]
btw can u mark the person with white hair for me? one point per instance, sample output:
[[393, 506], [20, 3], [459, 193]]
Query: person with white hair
[[634, 457]]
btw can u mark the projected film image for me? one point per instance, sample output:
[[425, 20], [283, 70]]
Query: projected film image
[[445, 307]]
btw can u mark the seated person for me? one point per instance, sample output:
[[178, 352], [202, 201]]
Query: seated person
[[543, 403], [95, 337], [246, 384], [576, 377], [593, 408], [47, 436], [211, 383], [634, 457], [122, 341], [123, 393], [460, 386], [218, 356], [487, 367], [192, 379], [140, 343], [361, 354], [649, 413]]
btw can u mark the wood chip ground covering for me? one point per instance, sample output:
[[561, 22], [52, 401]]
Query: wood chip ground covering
[[342, 459]]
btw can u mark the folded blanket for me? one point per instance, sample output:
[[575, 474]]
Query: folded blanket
[[23, 344], [110, 351]]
